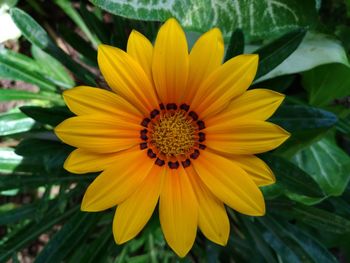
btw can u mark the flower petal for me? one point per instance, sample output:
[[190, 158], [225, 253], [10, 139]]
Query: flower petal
[[256, 168], [178, 211], [170, 62], [212, 217], [227, 82], [230, 183], [132, 215], [99, 133], [81, 161], [141, 49], [245, 137], [84, 100], [256, 104], [118, 181], [206, 56], [127, 78]]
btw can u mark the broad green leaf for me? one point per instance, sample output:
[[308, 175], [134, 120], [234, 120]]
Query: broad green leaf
[[15, 122], [12, 94], [327, 83], [52, 116], [68, 8], [9, 160], [274, 53], [38, 36], [236, 44], [70, 235], [292, 179], [301, 117], [316, 49], [327, 164], [258, 19], [54, 70]]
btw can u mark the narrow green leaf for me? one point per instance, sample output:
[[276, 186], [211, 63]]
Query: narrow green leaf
[[65, 241], [67, 7], [236, 44], [38, 36], [14, 122], [12, 94], [327, 83], [56, 72], [274, 53], [327, 164], [52, 116]]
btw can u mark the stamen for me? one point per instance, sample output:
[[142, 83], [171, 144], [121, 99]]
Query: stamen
[[202, 146], [193, 115], [201, 137], [171, 106], [145, 122], [184, 107], [151, 154], [173, 165], [186, 163], [161, 106], [143, 145], [200, 124], [143, 135], [154, 113], [159, 162], [195, 154]]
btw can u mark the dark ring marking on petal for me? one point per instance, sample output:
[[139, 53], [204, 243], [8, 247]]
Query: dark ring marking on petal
[[201, 136], [143, 145], [173, 165], [186, 163], [161, 106], [145, 122], [193, 115], [184, 107], [143, 135], [171, 106], [195, 154], [154, 113], [202, 146], [159, 162], [200, 124], [151, 154]]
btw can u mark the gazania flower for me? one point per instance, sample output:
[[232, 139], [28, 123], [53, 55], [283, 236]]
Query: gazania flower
[[179, 128]]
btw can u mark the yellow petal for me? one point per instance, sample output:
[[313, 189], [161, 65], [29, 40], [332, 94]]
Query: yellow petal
[[170, 62], [256, 104], [178, 211], [212, 216], [256, 168], [81, 161], [132, 215], [141, 49], [206, 56], [227, 82], [84, 100], [245, 137], [118, 181], [127, 78], [230, 183], [99, 133]]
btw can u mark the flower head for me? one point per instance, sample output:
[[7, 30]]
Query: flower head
[[179, 128]]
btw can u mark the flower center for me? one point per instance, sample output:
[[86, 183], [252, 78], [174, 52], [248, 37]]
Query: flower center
[[172, 135]]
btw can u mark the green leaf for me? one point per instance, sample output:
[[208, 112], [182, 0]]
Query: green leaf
[[295, 118], [327, 83], [55, 71], [52, 116], [9, 160], [292, 179], [12, 94], [14, 122], [327, 164], [258, 19], [19, 67], [236, 44], [38, 36], [274, 53], [67, 7], [316, 49], [68, 238]]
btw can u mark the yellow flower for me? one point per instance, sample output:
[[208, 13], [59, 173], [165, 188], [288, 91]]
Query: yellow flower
[[179, 128]]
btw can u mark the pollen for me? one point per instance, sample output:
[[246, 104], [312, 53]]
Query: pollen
[[173, 133]]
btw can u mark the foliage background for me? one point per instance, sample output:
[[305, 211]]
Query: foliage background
[[303, 47]]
